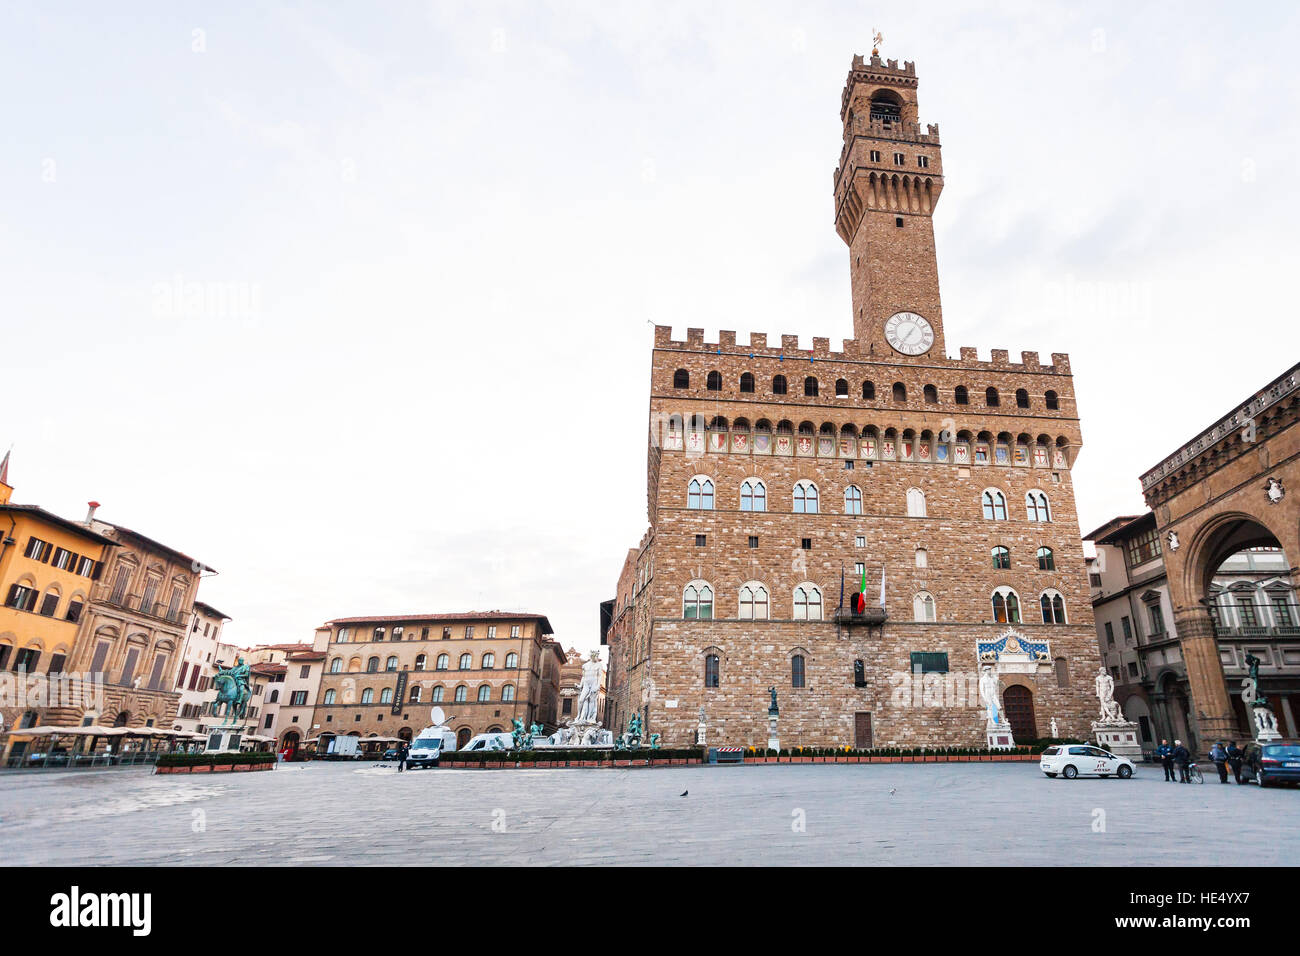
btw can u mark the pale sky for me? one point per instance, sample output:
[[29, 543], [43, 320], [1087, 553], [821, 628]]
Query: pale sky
[[353, 301]]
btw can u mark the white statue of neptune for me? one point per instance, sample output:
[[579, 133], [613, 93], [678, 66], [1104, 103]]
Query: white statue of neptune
[[589, 690]]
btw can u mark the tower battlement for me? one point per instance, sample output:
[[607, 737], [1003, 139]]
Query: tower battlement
[[758, 347]]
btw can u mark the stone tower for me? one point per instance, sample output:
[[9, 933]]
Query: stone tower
[[864, 527], [886, 187]]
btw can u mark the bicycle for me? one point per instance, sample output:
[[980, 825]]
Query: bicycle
[[1194, 774]]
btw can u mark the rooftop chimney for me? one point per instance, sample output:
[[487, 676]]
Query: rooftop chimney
[[90, 514]]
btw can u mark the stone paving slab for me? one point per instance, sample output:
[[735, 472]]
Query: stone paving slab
[[937, 814]]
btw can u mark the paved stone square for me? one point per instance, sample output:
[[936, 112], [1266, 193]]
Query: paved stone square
[[349, 814]]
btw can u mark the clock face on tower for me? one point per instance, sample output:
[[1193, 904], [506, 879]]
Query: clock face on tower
[[909, 333]]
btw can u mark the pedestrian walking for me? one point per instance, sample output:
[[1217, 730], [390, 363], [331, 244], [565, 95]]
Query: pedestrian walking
[[1235, 758], [402, 753], [1165, 754], [1182, 757], [1219, 756]]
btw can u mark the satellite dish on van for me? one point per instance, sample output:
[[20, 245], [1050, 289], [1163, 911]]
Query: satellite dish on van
[[439, 718]]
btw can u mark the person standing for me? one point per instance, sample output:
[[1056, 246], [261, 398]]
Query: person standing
[[1235, 757], [1219, 756], [1165, 754], [1182, 757], [402, 753]]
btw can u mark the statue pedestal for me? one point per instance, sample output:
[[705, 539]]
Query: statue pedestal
[[1120, 737], [224, 740], [1265, 724], [773, 741], [998, 736]]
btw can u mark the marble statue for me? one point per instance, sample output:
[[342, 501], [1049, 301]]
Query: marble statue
[[1055, 734], [1106, 696], [989, 694], [589, 690]]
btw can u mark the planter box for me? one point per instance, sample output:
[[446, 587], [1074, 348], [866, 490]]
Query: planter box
[[221, 768]]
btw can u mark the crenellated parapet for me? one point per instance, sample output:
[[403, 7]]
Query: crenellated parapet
[[789, 351]]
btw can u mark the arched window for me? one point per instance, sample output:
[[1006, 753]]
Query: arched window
[[931, 395], [484, 693], [753, 495], [681, 378], [386, 695], [1053, 606], [329, 696], [414, 697], [1006, 606], [960, 396], [508, 692], [900, 392], [711, 670], [438, 694], [697, 602], [779, 386], [753, 602], [1062, 672], [797, 671], [512, 660], [443, 662], [841, 388], [747, 382], [923, 606], [869, 391], [995, 505], [991, 397], [372, 666], [810, 386], [489, 661], [368, 695], [466, 661], [420, 662], [462, 693], [1001, 558], [1022, 398], [1036, 506], [915, 503], [699, 494], [807, 603], [1046, 560], [390, 664], [1051, 401], [713, 382], [853, 500], [336, 666], [805, 498], [922, 558]]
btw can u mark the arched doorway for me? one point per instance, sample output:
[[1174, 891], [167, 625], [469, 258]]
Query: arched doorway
[[1018, 701], [1246, 586], [405, 734], [289, 744], [462, 737]]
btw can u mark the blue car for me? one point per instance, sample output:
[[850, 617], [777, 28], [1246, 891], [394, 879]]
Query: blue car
[[1275, 762]]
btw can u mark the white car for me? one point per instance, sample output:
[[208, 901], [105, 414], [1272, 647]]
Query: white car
[[1073, 760], [489, 742]]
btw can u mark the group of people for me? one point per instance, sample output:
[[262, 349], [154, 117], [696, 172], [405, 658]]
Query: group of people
[[1180, 758]]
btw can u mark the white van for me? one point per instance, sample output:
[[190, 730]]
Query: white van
[[432, 743], [489, 742]]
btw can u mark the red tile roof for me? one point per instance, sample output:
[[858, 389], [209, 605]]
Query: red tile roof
[[438, 618]]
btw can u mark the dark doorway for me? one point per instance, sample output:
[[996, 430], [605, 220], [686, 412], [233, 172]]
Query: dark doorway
[[862, 730], [1019, 703]]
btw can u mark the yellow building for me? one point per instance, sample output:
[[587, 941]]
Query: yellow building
[[47, 568]]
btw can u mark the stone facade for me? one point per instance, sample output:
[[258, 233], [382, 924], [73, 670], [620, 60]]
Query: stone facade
[[900, 444], [1229, 488], [1254, 610], [383, 674]]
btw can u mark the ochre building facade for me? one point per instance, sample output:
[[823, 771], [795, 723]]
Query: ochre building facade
[[779, 478]]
